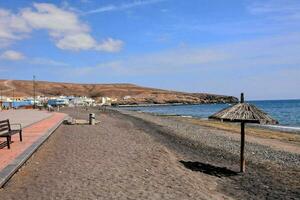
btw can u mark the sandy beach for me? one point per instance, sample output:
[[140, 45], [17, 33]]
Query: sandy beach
[[133, 155]]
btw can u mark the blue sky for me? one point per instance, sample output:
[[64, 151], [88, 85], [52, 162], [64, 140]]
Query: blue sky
[[223, 47]]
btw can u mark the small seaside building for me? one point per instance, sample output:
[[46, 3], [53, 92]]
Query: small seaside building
[[108, 101], [105, 101], [16, 103], [126, 97], [58, 102], [82, 101]]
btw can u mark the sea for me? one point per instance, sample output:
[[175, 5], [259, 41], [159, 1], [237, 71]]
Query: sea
[[287, 112]]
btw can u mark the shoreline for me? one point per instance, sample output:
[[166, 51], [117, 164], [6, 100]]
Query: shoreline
[[259, 134], [280, 128], [171, 104]]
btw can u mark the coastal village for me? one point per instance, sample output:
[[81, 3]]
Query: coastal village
[[24, 94], [48, 102]]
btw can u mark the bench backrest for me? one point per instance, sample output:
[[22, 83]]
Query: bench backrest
[[4, 126]]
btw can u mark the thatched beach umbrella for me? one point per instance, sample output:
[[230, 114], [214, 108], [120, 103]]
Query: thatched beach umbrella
[[243, 113]]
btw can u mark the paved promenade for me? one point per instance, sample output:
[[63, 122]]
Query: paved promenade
[[25, 117], [40, 125]]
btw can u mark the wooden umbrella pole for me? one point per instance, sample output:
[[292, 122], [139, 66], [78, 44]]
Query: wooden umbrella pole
[[242, 165]]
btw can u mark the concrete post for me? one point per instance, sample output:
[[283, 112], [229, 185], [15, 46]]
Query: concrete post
[[92, 119]]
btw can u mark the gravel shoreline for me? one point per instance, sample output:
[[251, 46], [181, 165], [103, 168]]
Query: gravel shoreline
[[199, 135], [270, 174]]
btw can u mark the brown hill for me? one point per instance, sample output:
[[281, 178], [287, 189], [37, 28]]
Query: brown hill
[[125, 93]]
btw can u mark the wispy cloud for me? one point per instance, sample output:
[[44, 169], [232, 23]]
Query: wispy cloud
[[256, 53], [12, 55], [254, 66], [263, 18], [226, 68], [47, 62], [277, 9], [172, 61], [126, 6]]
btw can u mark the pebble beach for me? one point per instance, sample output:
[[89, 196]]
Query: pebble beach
[[132, 155]]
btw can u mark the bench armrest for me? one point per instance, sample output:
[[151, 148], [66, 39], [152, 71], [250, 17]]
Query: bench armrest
[[15, 124]]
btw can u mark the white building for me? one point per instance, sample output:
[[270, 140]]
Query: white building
[[107, 101], [82, 101], [126, 97]]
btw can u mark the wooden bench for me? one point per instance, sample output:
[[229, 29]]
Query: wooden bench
[[6, 131]]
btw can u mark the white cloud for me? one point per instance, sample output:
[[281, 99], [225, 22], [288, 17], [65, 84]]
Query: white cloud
[[64, 27], [57, 21], [12, 27], [12, 55], [123, 6], [110, 45], [84, 42], [79, 41]]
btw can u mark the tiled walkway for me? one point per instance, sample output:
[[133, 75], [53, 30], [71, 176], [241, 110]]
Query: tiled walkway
[[33, 136], [23, 116]]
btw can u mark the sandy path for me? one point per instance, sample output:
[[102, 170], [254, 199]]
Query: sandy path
[[115, 160], [8, 84]]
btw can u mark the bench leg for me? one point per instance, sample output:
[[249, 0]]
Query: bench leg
[[8, 139], [20, 133]]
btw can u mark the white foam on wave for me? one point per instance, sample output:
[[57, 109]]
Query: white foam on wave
[[187, 116], [281, 128], [285, 127]]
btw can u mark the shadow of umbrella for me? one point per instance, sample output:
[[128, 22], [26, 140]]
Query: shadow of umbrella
[[209, 169]]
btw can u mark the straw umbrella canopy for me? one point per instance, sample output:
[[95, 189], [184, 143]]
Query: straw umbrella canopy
[[243, 113]]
